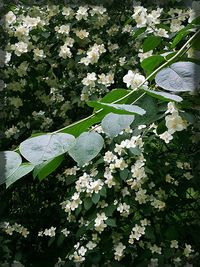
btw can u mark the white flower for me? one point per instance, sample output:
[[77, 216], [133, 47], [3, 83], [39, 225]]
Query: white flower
[[187, 250], [65, 51], [11, 131], [188, 175], [21, 31], [122, 61], [93, 54], [82, 13], [140, 16], [119, 250], [142, 55], [141, 196], [63, 29], [90, 79], [175, 123], [106, 80], [99, 222], [161, 32], [166, 136], [30, 22], [157, 204], [133, 80], [155, 249], [38, 54], [169, 179], [171, 108], [97, 10], [20, 48], [65, 232], [109, 157], [124, 209], [82, 34], [136, 233], [120, 163], [174, 244], [50, 232], [10, 18], [82, 251], [67, 12]]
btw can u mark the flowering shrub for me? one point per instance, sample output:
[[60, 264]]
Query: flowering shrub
[[125, 191]]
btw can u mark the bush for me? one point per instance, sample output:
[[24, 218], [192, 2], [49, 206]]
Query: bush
[[126, 193]]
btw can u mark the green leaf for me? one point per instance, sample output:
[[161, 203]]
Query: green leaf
[[196, 43], [179, 36], [81, 126], [23, 170], [161, 127], [60, 240], [103, 192], [110, 210], [114, 95], [117, 108], [179, 77], [124, 174], [151, 42], [150, 104], [138, 32], [113, 124], [9, 163], [135, 151], [95, 198], [163, 95], [87, 203], [151, 63], [46, 168], [111, 222], [45, 147], [87, 146]]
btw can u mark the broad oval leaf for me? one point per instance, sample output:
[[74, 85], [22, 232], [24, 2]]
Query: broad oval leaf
[[118, 108], [41, 148], [113, 124], [23, 170], [87, 146], [179, 77], [9, 163], [163, 95]]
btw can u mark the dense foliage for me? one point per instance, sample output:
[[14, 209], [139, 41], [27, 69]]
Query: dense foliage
[[119, 187]]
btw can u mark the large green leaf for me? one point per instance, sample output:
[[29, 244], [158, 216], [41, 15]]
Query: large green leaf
[[151, 42], [80, 126], [151, 63], [41, 148], [9, 163], [114, 95], [113, 124], [179, 77], [117, 108], [162, 95], [46, 168], [87, 146], [23, 170], [179, 36], [150, 104]]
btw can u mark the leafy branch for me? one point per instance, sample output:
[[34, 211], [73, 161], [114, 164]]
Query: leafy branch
[[115, 111]]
